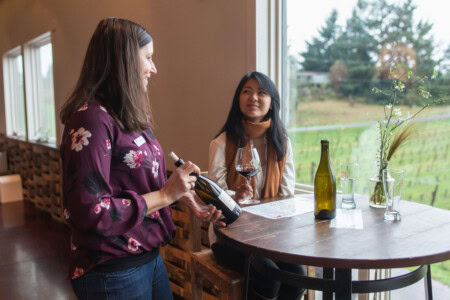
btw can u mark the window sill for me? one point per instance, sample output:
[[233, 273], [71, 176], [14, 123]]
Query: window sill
[[51, 145], [17, 138], [23, 139]]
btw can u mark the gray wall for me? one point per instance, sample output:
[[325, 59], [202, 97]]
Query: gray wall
[[202, 49]]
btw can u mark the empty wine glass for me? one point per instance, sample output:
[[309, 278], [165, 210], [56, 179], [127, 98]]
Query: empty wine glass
[[392, 183], [248, 165], [348, 178]]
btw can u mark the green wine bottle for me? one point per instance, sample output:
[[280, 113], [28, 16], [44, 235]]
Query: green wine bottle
[[211, 193], [324, 187]]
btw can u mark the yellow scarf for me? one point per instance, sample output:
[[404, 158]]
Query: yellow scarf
[[274, 168]]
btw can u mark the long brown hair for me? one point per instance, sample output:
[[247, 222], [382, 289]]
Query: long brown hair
[[111, 75]]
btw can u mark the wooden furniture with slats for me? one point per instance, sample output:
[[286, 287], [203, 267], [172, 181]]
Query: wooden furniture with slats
[[39, 168], [231, 285]]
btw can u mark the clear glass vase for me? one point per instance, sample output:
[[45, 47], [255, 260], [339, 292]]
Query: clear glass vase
[[377, 198]]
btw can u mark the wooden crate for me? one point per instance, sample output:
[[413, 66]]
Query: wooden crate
[[176, 255], [227, 284]]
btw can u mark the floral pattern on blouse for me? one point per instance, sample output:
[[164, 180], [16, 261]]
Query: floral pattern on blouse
[[80, 139], [137, 159], [105, 172], [133, 245], [83, 107], [155, 168], [77, 273], [134, 159]]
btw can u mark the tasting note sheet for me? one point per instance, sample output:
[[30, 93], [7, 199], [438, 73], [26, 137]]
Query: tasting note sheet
[[282, 208], [348, 218]]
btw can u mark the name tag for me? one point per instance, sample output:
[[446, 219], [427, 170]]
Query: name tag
[[139, 141]]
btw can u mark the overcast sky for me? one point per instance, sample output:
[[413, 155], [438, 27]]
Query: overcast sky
[[306, 17]]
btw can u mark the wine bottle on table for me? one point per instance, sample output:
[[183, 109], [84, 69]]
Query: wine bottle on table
[[324, 187], [210, 193]]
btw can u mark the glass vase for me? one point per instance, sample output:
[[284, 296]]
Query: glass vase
[[377, 198]]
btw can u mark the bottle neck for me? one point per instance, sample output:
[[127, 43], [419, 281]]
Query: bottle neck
[[324, 156], [180, 162]]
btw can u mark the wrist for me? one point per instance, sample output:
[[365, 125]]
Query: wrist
[[166, 197]]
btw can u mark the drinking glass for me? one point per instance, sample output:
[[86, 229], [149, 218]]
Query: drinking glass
[[248, 165], [392, 184], [348, 179]]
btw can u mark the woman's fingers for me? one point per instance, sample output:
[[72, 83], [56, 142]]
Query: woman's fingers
[[243, 191], [190, 198], [208, 213], [216, 218], [214, 215], [185, 173], [189, 168], [181, 181]]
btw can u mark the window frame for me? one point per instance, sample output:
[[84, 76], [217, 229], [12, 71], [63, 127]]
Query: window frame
[[271, 55], [10, 88], [33, 87]]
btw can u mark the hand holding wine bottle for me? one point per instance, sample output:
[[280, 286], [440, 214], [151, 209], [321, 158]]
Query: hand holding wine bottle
[[248, 165], [208, 213], [181, 181], [210, 193]]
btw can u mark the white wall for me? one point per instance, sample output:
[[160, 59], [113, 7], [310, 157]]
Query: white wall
[[202, 49]]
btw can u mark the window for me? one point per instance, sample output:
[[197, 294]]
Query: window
[[39, 89], [334, 54], [14, 93]]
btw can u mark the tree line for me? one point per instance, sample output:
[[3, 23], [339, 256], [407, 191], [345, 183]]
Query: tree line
[[358, 56]]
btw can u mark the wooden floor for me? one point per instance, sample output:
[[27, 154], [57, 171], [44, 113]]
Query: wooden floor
[[33, 254], [34, 258]]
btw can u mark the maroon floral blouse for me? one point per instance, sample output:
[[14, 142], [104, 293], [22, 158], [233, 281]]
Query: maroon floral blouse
[[105, 170]]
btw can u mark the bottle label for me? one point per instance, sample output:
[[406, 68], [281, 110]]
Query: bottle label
[[227, 200]]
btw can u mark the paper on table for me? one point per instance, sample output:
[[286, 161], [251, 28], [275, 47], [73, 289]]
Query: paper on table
[[347, 218], [283, 208]]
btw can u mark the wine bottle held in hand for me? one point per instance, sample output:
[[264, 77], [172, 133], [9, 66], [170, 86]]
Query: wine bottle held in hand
[[324, 187], [210, 193]]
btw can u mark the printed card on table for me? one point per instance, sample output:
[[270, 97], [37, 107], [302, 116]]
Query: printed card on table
[[283, 208], [348, 218]]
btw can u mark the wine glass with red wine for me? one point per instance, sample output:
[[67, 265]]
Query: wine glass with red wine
[[248, 165]]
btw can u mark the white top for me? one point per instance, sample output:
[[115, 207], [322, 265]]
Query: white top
[[217, 170]]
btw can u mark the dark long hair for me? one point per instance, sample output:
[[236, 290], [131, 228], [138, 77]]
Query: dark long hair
[[234, 129], [111, 75]]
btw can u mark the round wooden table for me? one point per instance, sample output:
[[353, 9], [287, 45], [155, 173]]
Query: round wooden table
[[420, 239]]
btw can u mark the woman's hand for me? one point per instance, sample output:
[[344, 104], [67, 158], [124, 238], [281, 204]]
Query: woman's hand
[[180, 182], [243, 192], [207, 213]]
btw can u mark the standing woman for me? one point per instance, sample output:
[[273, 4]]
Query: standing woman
[[116, 195], [254, 116]]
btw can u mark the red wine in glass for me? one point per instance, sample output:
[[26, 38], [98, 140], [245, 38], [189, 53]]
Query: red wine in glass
[[248, 173], [248, 165]]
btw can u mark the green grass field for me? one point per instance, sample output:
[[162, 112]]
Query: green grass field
[[425, 157]]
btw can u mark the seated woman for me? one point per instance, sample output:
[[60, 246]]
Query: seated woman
[[254, 116]]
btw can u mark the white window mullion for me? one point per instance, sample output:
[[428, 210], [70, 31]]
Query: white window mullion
[[10, 102], [38, 92], [268, 38], [12, 106], [12, 91], [38, 59]]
